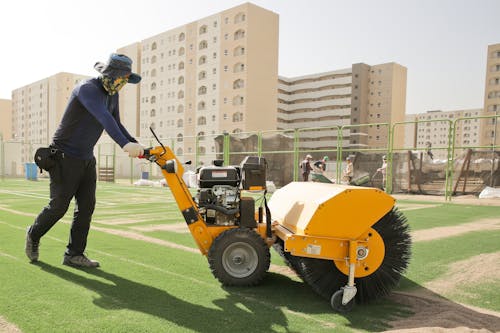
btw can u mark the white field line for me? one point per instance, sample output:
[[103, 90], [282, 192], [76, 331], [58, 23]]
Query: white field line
[[183, 277]]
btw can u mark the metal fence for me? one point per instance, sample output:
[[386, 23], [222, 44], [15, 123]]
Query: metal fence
[[466, 169]]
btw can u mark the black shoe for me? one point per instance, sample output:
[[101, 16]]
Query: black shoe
[[80, 261], [31, 247]]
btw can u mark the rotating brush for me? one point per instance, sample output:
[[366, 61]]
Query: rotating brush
[[325, 279]]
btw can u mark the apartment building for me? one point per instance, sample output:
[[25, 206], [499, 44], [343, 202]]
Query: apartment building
[[362, 94], [214, 75], [5, 119], [431, 130], [37, 108], [490, 133]]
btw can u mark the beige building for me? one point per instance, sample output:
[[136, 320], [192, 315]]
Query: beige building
[[490, 133], [432, 130], [213, 75], [38, 107], [349, 97], [5, 119]]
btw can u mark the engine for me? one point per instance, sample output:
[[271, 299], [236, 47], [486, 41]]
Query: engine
[[219, 192], [219, 205]]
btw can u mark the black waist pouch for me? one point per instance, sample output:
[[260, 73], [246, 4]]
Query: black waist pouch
[[45, 158]]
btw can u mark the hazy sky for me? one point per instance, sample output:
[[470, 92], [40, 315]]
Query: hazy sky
[[443, 43]]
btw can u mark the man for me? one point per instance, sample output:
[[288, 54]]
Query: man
[[306, 167], [92, 108], [383, 171], [348, 170], [321, 164]]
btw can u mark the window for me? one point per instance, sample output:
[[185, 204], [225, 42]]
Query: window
[[201, 105], [153, 59], [238, 100], [180, 137], [237, 84], [202, 75], [180, 108], [203, 29], [180, 80], [153, 46], [180, 94], [202, 90], [240, 17], [203, 45], [153, 86], [201, 136], [239, 67], [182, 51], [237, 117], [180, 123], [202, 121], [153, 112], [238, 51], [182, 37], [202, 60], [181, 65], [239, 34], [179, 151], [153, 99]]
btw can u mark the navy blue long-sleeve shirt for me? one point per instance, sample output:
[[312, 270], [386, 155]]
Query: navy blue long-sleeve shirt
[[90, 110]]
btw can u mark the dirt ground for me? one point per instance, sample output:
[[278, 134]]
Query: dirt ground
[[6, 327], [432, 311]]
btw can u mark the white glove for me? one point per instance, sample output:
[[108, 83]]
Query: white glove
[[133, 149]]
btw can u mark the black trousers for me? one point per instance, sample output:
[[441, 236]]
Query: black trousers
[[70, 178]]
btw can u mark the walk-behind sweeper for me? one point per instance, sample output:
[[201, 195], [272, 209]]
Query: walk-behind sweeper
[[350, 244]]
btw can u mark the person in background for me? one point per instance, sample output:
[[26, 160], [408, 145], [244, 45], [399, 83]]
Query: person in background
[[321, 164], [348, 172], [92, 108], [305, 167], [383, 170]]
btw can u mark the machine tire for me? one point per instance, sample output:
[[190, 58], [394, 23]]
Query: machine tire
[[325, 278], [336, 302], [239, 257]]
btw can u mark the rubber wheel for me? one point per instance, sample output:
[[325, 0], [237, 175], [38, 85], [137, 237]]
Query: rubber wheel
[[239, 257], [336, 302]]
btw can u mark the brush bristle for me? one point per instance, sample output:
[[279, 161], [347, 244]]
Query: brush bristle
[[325, 279]]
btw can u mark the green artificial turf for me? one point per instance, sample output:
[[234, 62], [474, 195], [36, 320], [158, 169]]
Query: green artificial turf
[[150, 287]]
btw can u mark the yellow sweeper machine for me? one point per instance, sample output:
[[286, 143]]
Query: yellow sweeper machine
[[350, 244]]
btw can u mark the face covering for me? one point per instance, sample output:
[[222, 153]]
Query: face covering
[[113, 85]]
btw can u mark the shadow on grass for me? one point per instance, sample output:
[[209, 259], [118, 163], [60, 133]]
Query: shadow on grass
[[433, 310], [410, 307], [263, 306], [299, 297], [123, 293]]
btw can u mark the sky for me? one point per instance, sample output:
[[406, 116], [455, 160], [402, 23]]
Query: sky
[[442, 43]]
